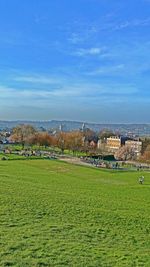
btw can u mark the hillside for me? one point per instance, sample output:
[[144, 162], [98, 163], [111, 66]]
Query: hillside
[[57, 214]]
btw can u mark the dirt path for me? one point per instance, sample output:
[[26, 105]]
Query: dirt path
[[76, 161]]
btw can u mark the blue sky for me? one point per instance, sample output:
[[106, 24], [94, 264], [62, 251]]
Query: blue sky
[[86, 60]]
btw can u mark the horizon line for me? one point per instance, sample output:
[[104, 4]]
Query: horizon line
[[65, 120]]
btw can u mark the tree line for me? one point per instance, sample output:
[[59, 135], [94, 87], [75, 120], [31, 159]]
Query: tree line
[[73, 141]]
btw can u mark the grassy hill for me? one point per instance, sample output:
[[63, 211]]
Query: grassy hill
[[56, 214]]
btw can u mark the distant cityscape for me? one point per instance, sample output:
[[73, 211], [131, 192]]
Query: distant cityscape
[[132, 130]]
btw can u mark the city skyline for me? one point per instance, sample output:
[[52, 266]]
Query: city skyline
[[75, 60]]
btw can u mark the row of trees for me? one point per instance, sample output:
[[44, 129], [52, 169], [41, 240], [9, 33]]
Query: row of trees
[[27, 135]]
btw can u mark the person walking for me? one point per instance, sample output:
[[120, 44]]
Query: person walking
[[141, 179]]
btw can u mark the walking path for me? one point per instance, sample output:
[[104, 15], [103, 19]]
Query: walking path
[[76, 161]]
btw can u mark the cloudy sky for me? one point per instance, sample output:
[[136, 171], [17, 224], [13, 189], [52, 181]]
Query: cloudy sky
[[86, 60]]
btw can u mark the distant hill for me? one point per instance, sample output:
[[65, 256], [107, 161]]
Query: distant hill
[[130, 129]]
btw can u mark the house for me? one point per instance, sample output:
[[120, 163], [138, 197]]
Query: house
[[91, 141], [113, 143]]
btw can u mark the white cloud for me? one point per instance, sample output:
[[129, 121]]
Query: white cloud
[[93, 51], [132, 23], [81, 32], [73, 91], [35, 79], [89, 31], [75, 38], [107, 70]]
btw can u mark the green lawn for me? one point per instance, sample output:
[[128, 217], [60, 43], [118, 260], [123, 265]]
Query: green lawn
[[56, 214]]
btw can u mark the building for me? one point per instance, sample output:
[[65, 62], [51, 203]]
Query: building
[[135, 145], [113, 143], [91, 141]]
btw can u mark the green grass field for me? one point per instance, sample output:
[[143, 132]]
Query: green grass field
[[56, 214]]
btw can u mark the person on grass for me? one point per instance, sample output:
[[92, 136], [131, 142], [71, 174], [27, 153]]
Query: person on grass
[[141, 179]]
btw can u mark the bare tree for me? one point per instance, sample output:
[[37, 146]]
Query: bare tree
[[74, 141], [125, 153], [22, 133], [61, 141], [146, 154]]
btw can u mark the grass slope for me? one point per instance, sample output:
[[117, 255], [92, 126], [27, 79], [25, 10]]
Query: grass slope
[[56, 214]]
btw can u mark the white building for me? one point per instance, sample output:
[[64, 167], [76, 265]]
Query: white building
[[136, 146]]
